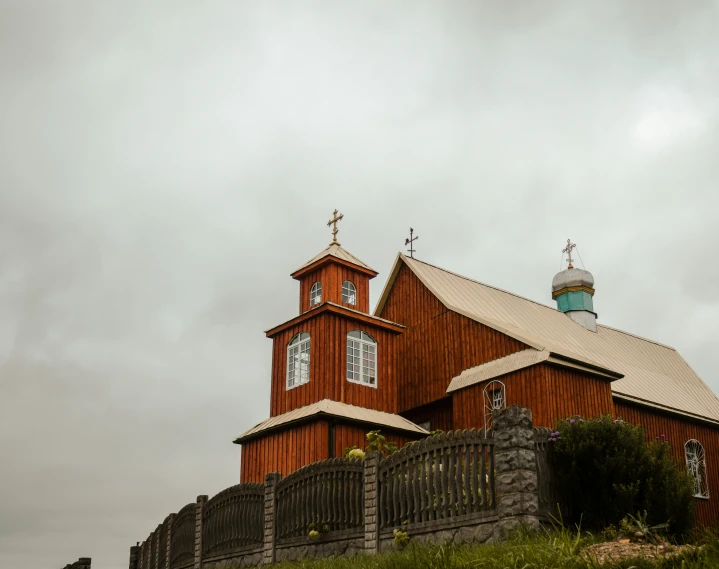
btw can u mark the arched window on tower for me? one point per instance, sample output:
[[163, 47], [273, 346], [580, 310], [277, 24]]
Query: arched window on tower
[[361, 358], [316, 293], [697, 467], [494, 397], [298, 360], [349, 293]]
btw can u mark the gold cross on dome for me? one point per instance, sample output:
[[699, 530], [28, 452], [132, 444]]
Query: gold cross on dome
[[568, 251], [334, 221]]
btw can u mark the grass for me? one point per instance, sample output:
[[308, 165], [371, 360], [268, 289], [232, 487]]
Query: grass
[[557, 549]]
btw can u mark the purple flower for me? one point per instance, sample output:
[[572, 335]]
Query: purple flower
[[571, 421]]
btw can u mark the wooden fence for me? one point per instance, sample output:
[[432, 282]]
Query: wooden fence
[[326, 496], [437, 478]]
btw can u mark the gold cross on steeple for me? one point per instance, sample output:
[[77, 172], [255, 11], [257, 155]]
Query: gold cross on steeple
[[334, 221], [568, 251]]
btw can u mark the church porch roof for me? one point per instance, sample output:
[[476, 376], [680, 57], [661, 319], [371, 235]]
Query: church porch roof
[[328, 407]]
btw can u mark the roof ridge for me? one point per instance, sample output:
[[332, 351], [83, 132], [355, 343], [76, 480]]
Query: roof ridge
[[485, 284], [637, 336]]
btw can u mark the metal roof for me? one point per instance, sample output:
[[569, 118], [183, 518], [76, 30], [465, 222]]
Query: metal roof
[[513, 362], [335, 409], [334, 250], [651, 371]]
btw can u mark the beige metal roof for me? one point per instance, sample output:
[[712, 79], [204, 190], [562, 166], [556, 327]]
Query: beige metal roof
[[513, 362], [498, 367], [335, 409], [334, 250], [652, 372]]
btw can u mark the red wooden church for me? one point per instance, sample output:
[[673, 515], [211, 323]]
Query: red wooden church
[[441, 351]]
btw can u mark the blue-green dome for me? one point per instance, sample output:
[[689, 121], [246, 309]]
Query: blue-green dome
[[573, 289]]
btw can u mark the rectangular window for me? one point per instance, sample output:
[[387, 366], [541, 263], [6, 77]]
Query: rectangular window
[[298, 364], [361, 362]]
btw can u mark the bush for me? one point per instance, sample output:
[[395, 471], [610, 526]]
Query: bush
[[605, 470]]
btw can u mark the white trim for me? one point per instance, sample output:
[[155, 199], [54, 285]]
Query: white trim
[[351, 293], [364, 342], [697, 468], [298, 346], [316, 294]]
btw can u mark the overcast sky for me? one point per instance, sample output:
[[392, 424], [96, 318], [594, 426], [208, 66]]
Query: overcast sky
[[164, 166]]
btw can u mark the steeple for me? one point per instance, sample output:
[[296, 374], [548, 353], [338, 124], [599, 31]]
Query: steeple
[[573, 289], [334, 275]]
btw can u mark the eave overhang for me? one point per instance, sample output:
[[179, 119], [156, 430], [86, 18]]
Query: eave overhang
[[299, 273], [333, 308], [644, 403]]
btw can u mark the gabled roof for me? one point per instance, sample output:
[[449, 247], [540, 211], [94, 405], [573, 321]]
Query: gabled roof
[[514, 362], [334, 250], [652, 372], [333, 409]]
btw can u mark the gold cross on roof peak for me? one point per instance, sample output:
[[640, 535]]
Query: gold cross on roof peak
[[334, 221], [568, 251]]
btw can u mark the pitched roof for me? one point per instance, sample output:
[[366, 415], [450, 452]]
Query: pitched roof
[[334, 409], [513, 362], [334, 250], [652, 372]]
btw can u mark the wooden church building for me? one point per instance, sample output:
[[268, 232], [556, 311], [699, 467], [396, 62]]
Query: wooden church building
[[441, 350]]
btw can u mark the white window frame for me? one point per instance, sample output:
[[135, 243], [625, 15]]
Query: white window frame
[[349, 291], [361, 351], [298, 361], [316, 293], [697, 467]]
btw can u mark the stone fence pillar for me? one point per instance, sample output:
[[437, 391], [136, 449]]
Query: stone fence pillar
[[516, 466], [268, 553], [134, 556], [201, 500], [371, 511]]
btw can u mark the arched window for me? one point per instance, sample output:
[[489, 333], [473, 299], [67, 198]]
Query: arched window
[[361, 358], [349, 293], [298, 360], [494, 397], [316, 293], [697, 467]]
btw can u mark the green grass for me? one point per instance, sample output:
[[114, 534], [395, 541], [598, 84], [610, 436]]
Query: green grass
[[559, 549]]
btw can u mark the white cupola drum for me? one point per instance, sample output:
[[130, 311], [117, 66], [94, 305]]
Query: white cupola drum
[[573, 289]]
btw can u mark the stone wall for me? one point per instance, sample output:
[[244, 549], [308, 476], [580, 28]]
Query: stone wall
[[426, 490]]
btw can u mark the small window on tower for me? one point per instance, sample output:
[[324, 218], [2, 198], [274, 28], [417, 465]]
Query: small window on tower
[[349, 293], [316, 294]]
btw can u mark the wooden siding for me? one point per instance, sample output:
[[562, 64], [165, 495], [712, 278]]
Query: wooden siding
[[551, 393], [328, 367], [356, 435], [284, 451], [332, 275], [438, 413], [438, 344], [678, 431]]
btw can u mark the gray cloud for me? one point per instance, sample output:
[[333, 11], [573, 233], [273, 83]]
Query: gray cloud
[[165, 166]]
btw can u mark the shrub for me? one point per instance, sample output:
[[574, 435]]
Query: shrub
[[605, 470]]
